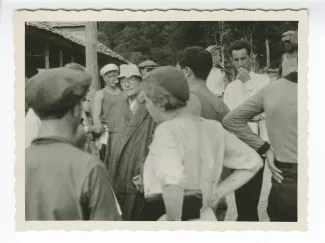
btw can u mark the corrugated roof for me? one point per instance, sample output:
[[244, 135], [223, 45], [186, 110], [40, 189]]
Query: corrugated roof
[[101, 48], [66, 24]]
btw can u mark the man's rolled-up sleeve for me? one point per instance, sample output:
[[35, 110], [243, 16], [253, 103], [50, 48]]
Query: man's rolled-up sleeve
[[237, 120]]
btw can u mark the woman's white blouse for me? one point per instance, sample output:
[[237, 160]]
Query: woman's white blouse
[[190, 152]]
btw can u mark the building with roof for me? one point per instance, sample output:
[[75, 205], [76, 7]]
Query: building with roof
[[54, 44]]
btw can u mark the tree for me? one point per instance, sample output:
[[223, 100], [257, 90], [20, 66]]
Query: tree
[[160, 41]]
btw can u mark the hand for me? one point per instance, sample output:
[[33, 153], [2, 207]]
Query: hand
[[138, 182], [97, 129], [276, 173], [243, 74], [215, 199]]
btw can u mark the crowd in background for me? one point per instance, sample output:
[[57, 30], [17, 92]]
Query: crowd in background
[[163, 143]]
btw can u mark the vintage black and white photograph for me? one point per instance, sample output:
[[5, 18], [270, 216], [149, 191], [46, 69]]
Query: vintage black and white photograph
[[162, 120]]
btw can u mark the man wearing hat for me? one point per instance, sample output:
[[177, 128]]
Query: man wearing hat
[[289, 60], [63, 182], [129, 144], [216, 79], [33, 123], [105, 105], [146, 67]]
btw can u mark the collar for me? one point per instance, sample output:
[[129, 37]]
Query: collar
[[292, 77], [52, 139]]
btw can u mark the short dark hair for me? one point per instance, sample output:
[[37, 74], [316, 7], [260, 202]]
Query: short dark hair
[[49, 115], [196, 58], [238, 45]]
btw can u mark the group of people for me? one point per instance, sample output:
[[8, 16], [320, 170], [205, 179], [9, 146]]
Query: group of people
[[171, 145]]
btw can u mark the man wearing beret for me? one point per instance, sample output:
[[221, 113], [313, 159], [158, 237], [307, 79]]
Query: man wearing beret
[[289, 60], [105, 106], [63, 182], [146, 67]]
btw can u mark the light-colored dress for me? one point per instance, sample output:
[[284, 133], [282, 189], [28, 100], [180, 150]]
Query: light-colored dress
[[190, 152]]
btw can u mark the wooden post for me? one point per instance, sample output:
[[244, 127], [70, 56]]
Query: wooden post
[[47, 56], [91, 59], [61, 57]]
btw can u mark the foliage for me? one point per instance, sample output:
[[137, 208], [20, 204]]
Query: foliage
[[160, 41]]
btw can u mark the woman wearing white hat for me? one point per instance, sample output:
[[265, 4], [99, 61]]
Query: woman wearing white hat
[[106, 105]]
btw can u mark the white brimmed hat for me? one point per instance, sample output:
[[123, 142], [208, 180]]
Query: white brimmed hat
[[212, 48], [108, 68], [129, 70]]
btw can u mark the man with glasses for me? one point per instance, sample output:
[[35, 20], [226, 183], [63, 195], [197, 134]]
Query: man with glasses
[[128, 144], [105, 106]]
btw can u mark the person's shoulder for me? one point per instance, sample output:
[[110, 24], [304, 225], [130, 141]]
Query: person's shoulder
[[233, 84], [99, 93], [262, 79], [212, 127], [85, 160]]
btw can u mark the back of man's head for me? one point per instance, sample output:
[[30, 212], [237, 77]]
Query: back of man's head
[[52, 93], [197, 59]]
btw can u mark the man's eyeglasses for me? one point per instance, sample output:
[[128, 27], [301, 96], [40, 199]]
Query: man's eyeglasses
[[127, 80]]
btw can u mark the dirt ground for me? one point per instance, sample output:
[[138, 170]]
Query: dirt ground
[[232, 210]]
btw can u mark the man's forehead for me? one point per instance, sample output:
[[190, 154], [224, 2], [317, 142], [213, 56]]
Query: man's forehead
[[239, 52]]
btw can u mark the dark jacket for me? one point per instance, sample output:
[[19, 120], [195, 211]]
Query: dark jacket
[[127, 149]]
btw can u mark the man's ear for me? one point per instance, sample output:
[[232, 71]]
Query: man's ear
[[188, 72], [77, 109]]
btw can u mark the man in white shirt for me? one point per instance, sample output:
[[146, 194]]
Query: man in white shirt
[[246, 84], [216, 79]]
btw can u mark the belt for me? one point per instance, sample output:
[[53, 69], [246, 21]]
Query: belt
[[281, 164], [187, 192]]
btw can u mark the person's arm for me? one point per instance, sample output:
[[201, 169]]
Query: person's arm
[[99, 196], [279, 73], [245, 162], [237, 120], [97, 108], [170, 173], [212, 82], [226, 96]]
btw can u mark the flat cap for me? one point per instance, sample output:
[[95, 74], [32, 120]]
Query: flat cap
[[288, 35], [148, 63], [108, 68], [57, 89], [173, 80]]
